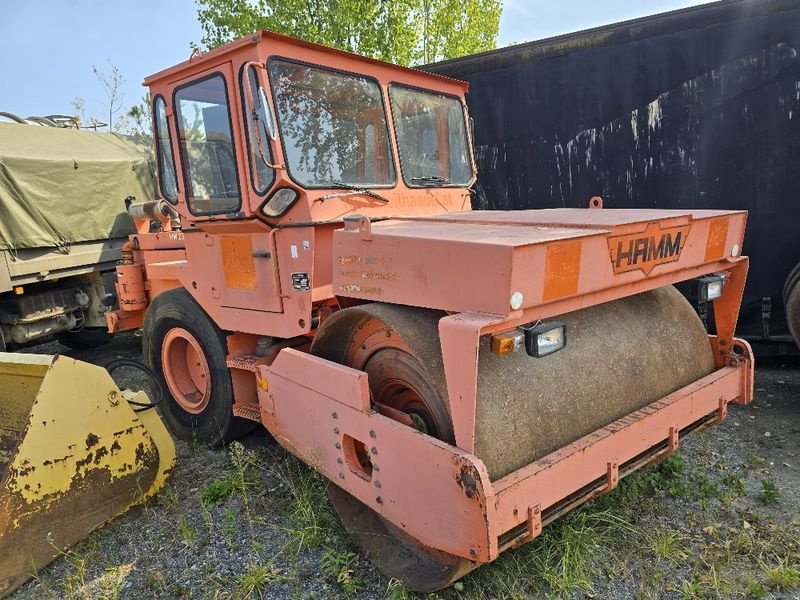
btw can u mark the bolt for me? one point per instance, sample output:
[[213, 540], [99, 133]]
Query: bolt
[[372, 434], [335, 430], [339, 460], [377, 483], [374, 450], [334, 415], [379, 500], [338, 446], [473, 553], [341, 475], [375, 467]]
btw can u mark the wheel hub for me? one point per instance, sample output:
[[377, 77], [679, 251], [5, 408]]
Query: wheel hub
[[186, 370]]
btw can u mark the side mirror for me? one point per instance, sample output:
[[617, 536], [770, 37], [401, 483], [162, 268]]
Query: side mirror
[[272, 130]]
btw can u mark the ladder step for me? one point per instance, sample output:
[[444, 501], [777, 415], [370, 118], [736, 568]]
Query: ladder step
[[244, 362], [248, 411]]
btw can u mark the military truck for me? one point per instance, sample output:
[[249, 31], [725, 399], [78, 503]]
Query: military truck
[[62, 226]]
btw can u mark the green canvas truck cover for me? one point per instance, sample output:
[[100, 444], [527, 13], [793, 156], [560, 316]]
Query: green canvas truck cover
[[59, 186]]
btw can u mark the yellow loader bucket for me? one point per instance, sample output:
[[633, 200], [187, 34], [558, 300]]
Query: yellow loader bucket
[[73, 454]]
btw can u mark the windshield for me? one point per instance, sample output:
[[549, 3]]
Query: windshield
[[333, 127], [431, 137]]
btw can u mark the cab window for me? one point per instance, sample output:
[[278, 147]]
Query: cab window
[[431, 137], [166, 162], [260, 129], [206, 146]]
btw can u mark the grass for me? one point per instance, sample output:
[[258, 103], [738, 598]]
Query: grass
[[669, 545], [312, 521], [187, 531], [782, 576], [256, 580]]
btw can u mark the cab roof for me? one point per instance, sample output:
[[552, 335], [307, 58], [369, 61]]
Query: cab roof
[[220, 54]]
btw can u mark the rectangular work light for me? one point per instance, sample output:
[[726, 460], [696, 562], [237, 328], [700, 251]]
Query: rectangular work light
[[710, 287], [542, 339]]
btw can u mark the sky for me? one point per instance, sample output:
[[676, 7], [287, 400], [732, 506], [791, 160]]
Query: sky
[[48, 47]]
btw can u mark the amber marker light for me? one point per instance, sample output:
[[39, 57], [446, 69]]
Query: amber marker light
[[506, 343]]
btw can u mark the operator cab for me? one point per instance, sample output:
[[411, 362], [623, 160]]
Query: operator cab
[[286, 131]]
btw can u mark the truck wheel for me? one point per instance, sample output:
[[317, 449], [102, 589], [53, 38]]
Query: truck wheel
[[84, 339], [791, 303], [378, 340], [186, 351]]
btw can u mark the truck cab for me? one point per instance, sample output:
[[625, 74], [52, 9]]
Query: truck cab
[[268, 144]]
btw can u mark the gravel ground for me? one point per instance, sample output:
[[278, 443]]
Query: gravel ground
[[720, 520]]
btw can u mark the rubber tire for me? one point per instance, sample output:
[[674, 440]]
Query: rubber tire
[[85, 339], [791, 281], [216, 425], [791, 303], [394, 553], [390, 363]]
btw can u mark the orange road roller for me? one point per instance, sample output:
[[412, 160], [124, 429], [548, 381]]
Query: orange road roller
[[461, 378]]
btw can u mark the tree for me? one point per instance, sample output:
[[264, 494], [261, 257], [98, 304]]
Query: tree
[[404, 32], [112, 85], [140, 115]]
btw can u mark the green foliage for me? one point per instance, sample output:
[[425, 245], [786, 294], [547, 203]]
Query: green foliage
[[339, 566], [216, 492], [139, 115], [404, 32], [769, 492], [734, 483], [237, 481]]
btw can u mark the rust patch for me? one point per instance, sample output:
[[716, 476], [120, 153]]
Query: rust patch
[[33, 534], [99, 454], [468, 480], [84, 461], [91, 440]]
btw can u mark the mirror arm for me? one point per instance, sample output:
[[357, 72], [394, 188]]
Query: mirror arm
[[251, 104]]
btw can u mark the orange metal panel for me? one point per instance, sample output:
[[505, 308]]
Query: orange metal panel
[[313, 406], [420, 261], [717, 237], [562, 269], [237, 262]]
